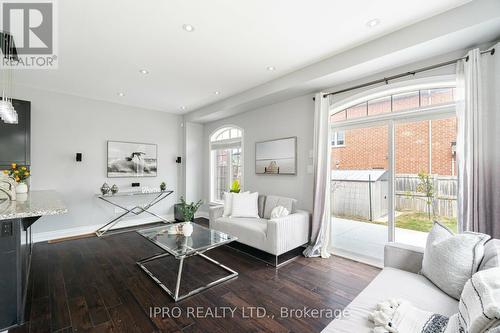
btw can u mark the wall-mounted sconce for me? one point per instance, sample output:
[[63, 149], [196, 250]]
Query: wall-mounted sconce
[[78, 157], [178, 159]]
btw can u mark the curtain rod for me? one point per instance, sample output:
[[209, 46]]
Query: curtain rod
[[397, 76]]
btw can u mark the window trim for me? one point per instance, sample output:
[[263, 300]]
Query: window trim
[[224, 144]]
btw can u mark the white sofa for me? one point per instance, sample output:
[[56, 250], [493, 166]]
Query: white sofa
[[275, 236], [400, 279]]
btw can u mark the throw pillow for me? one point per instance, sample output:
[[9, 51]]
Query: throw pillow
[[273, 201], [479, 306], [399, 316], [228, 203], [279, 211], [450, 260], [491, 255], [245, 205]]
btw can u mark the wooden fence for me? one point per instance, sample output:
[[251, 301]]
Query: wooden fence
[[356, 199], [445, 195]]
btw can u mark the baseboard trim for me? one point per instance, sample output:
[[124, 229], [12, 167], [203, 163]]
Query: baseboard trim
[[89, 229]]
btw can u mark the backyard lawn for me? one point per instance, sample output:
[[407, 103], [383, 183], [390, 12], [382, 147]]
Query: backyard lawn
[[420, 221]]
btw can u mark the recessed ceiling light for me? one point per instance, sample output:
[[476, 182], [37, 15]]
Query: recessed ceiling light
[[188, 27], [183, 108], [144, 71], [271, 68], [121, 94], [217, 92], [373, 23]]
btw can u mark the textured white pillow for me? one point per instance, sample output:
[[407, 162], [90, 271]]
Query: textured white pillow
[[228, 203], [479, 307], [245, 205], [450, 260], [279, 211]]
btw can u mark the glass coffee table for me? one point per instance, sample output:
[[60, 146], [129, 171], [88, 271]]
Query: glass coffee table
[[181, 247]]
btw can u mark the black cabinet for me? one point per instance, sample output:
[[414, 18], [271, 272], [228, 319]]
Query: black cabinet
[[15, 138], [15, 260]]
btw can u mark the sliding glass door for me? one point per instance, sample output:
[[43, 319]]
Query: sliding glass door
[[425, 177], [359, 191], [393, 170]]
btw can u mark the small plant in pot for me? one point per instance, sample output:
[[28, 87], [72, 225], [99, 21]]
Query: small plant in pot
[[185, 212], [235, 187]]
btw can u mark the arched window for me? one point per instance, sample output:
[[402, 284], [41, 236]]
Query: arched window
[[226, 160]]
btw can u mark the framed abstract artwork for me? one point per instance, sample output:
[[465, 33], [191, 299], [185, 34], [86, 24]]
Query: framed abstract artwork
[[132, 159]]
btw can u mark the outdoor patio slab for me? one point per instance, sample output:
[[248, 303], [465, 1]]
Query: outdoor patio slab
[[367, 240]]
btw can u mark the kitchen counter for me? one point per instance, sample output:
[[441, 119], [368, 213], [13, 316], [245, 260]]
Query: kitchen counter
[[16, 247], [32, 204]]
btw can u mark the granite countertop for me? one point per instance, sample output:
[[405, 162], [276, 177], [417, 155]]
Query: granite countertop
[[31, 204]]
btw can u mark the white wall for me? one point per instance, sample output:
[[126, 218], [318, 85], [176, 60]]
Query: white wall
[[290, 118], [62, 125]]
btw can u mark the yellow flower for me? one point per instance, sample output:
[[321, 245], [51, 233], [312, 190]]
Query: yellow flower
[[17, 179], [14, 165], [27, 174], [23, 168], [16, 172], [6, 172]]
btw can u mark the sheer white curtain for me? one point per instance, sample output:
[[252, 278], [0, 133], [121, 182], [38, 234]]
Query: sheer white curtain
[[478, 142], [320, 228]]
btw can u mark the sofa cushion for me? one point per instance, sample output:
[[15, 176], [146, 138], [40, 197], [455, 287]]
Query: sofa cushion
[[250, 231], [261, 201], [450, 260], [228, 202], [245, 205], [273, 201], [392, 283], [491, 257]]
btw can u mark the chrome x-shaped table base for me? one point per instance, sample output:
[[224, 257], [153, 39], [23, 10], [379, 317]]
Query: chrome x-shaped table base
[[135, 210], [175, 293]]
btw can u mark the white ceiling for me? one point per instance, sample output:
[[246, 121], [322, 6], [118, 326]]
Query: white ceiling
[[104, 44]]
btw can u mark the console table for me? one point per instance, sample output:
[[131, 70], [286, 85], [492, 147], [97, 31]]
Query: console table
[[137, 209]]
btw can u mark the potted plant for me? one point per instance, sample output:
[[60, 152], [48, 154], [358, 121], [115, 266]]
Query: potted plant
[[163, 186], [20, 174], [185, 212], [235, 187]]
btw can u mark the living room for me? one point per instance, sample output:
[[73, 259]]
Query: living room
[[216, 166]]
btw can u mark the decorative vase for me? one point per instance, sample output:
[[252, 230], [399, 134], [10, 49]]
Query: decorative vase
[[187, 229], [114, 189], [105, 189], [21, 188], [22, 197]]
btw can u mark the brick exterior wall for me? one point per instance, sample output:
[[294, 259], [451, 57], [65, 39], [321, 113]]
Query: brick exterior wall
[[419, 145]]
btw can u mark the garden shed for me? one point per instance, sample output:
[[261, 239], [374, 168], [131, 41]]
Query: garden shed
[[360, 194]]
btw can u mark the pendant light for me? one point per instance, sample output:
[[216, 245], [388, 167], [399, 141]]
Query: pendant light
[[7, 112]]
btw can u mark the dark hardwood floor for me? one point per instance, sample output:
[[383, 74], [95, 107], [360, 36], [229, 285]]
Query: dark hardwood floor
[[94, 285]]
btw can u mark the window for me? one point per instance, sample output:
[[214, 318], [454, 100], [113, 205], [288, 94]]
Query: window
[[338, 139], [404, 101], [226, 161], [397, 174]]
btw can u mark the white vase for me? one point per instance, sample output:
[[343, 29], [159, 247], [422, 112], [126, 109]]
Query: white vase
[[21, 188], [187, 229]]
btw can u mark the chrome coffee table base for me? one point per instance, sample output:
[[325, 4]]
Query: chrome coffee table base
[[175, 293]]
